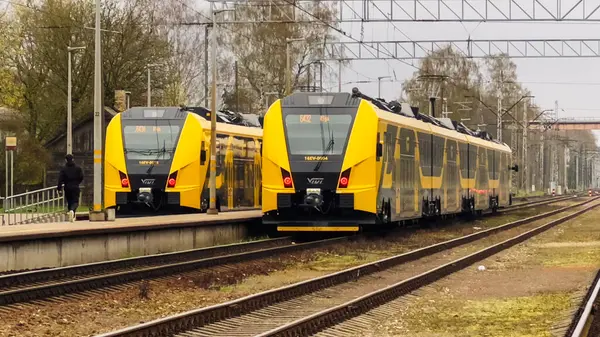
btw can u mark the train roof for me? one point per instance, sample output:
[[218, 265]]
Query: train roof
[[228, 117], [450, 128], [154, 112], [398, 112], [232, 128]]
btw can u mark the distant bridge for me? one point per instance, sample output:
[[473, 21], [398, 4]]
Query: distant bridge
[[568, 123]]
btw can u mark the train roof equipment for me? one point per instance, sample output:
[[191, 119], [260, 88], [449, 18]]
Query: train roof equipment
[[406, 110], [228, 116], [153, 112]]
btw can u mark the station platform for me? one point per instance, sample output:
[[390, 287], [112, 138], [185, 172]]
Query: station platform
[[130, 224], [59, 244]]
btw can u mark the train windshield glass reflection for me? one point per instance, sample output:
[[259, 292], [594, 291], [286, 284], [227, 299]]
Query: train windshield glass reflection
[[311, 134], [150, 142]]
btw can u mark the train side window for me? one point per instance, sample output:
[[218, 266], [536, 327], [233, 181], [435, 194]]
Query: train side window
[[379, 149]]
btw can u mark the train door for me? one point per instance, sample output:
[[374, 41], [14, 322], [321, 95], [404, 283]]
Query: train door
[[491, 159], [451, 177], [409, 206]]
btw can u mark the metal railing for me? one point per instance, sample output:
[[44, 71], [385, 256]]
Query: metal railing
[[39, 206]]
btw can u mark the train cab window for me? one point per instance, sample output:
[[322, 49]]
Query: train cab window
[[317, 134], [145, 141]]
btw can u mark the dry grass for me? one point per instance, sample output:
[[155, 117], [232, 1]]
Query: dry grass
[[155, 299], [524, 291], [527, 316]]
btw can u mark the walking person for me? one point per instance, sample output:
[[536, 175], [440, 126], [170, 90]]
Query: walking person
[[70, 177]]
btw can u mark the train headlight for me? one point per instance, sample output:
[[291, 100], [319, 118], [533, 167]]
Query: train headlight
[[344, 179], [287, 179], [124, 180], [172, 181]]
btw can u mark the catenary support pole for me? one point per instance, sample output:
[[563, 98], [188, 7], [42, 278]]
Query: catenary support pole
[[69, 108], [12, 175], [6, 172], [499, 114], [97, 206], [339, 75], [525, 141], [206, 66], [213, 118], [149, 100]]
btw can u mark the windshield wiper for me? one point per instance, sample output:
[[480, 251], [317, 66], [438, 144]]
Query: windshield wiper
[[161, 152], [327, 149]]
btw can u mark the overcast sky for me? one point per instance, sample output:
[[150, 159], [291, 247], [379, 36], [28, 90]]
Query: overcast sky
[[573, 82], [570, 81]]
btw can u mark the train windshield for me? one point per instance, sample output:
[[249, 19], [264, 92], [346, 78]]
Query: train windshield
[[150, 141], [317, 134]]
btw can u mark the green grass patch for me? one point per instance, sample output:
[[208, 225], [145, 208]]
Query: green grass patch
[[531, 316], [568, 256], [333, 261], [523, 193]]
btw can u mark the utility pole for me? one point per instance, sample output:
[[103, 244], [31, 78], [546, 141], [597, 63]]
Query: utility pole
[[206, 66], [320, 76], [308, 80], [525, 141], [555, 147], [565, 153], [149, 98], [339, 75], [213, 116], [499, 118], [97, 214], [149, 94], [267, 94], [288, 70], [577, 170], [379, 85], [237, 93], [70, 102]]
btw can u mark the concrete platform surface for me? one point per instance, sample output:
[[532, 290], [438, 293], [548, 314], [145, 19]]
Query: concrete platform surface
[[85, 227]]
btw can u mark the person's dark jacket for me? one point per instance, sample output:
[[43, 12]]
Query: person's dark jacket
[[70, 176]]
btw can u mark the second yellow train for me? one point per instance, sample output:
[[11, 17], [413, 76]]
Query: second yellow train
[[158, 159], [345, 161]]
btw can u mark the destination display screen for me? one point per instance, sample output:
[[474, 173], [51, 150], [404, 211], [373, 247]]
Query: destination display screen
[[152, 129]]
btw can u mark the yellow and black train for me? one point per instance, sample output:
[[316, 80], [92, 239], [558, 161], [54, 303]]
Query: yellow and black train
[[158, 159], [341, 161]]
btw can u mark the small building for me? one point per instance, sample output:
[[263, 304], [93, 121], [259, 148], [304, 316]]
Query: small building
[[83, 151]]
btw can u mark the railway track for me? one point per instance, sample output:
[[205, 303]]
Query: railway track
[[310, 306], [583, 322], [47, 283], [41, 284]]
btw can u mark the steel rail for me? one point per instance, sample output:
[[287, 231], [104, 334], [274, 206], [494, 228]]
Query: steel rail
[[44, 283], [190, 320], [317, 322], [31, 277], [530, 204], [581, 322], [106, 280]]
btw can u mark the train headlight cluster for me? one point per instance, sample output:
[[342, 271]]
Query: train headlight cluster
[[124, 180], [344, 179], [287, 179]]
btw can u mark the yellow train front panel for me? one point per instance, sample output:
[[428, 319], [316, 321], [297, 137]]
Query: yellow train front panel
[[154, 159], [319, 163]]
